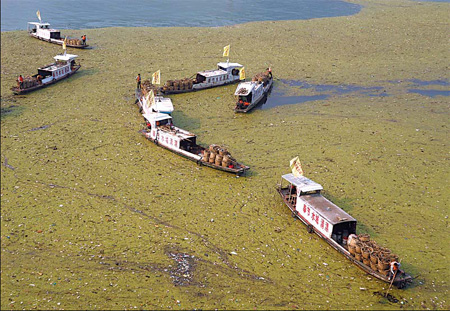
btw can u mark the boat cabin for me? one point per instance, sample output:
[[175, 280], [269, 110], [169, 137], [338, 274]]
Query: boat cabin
[[43, 30], [63, 66], [163, 105], [224, 73], [327, 218], [248, 92], [164, 132], [154, 120]]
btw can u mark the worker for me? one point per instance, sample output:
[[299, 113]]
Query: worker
[[39, 79], [83, 37], [395, 269], [241, 103], [20, 81], [138, 80]]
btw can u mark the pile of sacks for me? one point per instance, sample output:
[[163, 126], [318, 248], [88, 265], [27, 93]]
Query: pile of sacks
[[370, 253], [29, 81], [262, 77], [219, 156], [178, 85]]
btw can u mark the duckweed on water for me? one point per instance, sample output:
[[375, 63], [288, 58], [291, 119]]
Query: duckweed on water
[[95, 217]]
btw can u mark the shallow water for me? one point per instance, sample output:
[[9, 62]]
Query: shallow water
[[96, 217], [83, 14]]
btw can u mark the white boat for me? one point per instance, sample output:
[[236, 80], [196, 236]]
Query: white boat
[[250, 94], [303, 197], [162, 132], [63, 67], [160, 104], [43, 31], [226, 73]]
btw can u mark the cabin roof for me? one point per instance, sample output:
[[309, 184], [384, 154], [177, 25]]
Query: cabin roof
[[303, 183], [212, 73], [229, 65], [66, 57], [157, 116], [39, 24], [330, 211], [244, 88]]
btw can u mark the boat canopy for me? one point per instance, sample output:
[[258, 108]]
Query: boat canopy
[[212, 73], [302, 183], [38, 24], [330, 211], [226, 65], [66, 57], [157, 116], [244, 88]]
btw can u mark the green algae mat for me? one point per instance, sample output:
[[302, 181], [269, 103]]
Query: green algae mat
[[93, 216]]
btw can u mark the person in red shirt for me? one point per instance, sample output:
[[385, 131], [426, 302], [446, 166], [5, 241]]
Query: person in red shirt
[[138, 80], [20, 80], [83, 37]]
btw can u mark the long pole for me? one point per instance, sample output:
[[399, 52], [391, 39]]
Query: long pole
[[393, 278]]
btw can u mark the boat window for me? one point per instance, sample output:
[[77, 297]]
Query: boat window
[[342, 230], [222, 68], [44, 73], [164, 122], [55, 35], [199, 78]]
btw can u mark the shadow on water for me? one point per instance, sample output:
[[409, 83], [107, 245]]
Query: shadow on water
[[388, 297], [12, 110], [426, 92], [279, 97], [429, 93]]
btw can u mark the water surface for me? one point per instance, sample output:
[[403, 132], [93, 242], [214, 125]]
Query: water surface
[[83, 14]]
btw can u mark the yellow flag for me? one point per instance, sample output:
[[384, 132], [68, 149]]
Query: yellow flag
[[38, 13], [156, 77], [150, 99], [296, 167], [242, 73], [65, 43], [226, 51]]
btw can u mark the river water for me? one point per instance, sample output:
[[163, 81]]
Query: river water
[[83, 14]]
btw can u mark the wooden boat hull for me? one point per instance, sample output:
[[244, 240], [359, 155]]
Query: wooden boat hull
[[238, 171], [400, 280], [18, 91], [60, 42], [261, 100], [195, 90]]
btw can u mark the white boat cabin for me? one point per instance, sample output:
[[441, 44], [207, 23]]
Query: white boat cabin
[[225, 73], [248, 93], [314, 209], [162, 105], [160, 129], [43, 30], [62, 67]]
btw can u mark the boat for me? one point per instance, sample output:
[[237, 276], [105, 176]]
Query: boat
[[43, 31], [161, 131], [226, 73], [147, 105], [63, 67], [251, 93], [303, 197]]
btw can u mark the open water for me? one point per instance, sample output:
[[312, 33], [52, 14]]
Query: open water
[[81, 14]]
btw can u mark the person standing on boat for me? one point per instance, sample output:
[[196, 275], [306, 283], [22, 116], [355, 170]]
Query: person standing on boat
[[138, 80], [20, 80], [395, 268], [83, 37]]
